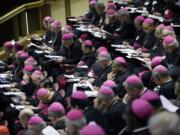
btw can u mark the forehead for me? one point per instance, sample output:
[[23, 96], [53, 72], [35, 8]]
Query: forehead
[[145, 25]]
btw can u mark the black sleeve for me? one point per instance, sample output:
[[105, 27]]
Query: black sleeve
[[77, 54]]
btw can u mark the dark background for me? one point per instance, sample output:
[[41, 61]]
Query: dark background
[[8, 5]]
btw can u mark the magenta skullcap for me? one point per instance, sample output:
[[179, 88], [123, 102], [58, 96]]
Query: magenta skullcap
[[142, 109], [156, 61], [88, 43], [109, 83], [123, 11], [150, 96], [121, 60], [20, 52], [140, 18], [47, 18], [92, 129], [56, 24], [38, 74], [169, 27], [74, 115], [68, 27], [100, 49], [42, 92], [8, 45], [149, 21], [106, 90], [18, 46], [24, 55], [111, 5], [67, 36], [161, 26], [79, 95], [111, 12], [160, 69], [28, 68], [92, 3], [56, 107], [169, 40], [104, 56], [34, 120], [30, 61], [133, 80]]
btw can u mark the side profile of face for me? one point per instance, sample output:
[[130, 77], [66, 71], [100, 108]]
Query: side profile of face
[[23, 120], [137, 24], [148, 28], [116, 67], [177, 88], [158, 33], [67, 43]]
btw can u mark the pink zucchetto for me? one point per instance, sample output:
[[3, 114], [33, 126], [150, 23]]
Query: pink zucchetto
[[79, 95], [140, 18], [74, 115], [111, 12], [160, 69], [109, 83], [92, 129], [56, 24], [28, 68], [47, 19], [133, 80], [106, 90], [121, 60], [92, 3], [24, 55], [42, 92], [100, 49], [169, 27], [150, 96], [34, 120], [161, 26], [56, 107], [169, 40], [142, 109], [88, 43], [111, 6], [149, 21], [123, 11], [37, 74], [8, 45], [156, 61], [30, 61], [67, 36]]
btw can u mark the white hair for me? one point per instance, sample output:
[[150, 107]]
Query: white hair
[[165, 123]]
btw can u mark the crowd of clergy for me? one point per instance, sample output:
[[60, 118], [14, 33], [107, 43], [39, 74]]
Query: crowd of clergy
[[121, 79]]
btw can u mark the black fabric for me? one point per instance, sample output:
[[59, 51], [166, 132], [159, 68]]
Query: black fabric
[[173, 58], [149, 40], [72, 54], [114, 117], [60, 125], [168, 90], [103, 77], [89, 59]]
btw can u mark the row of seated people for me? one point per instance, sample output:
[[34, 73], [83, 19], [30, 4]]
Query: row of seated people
[[80, 85]]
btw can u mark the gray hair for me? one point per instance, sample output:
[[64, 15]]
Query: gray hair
[[104, 57], [79, 123], [165, 123]]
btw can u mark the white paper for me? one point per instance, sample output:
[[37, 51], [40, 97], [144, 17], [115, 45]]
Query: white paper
[[5, 86], [69, 76], [91, 93], [168, 105], [72, 19], [13, 93], [50, 131], [38, 52]]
